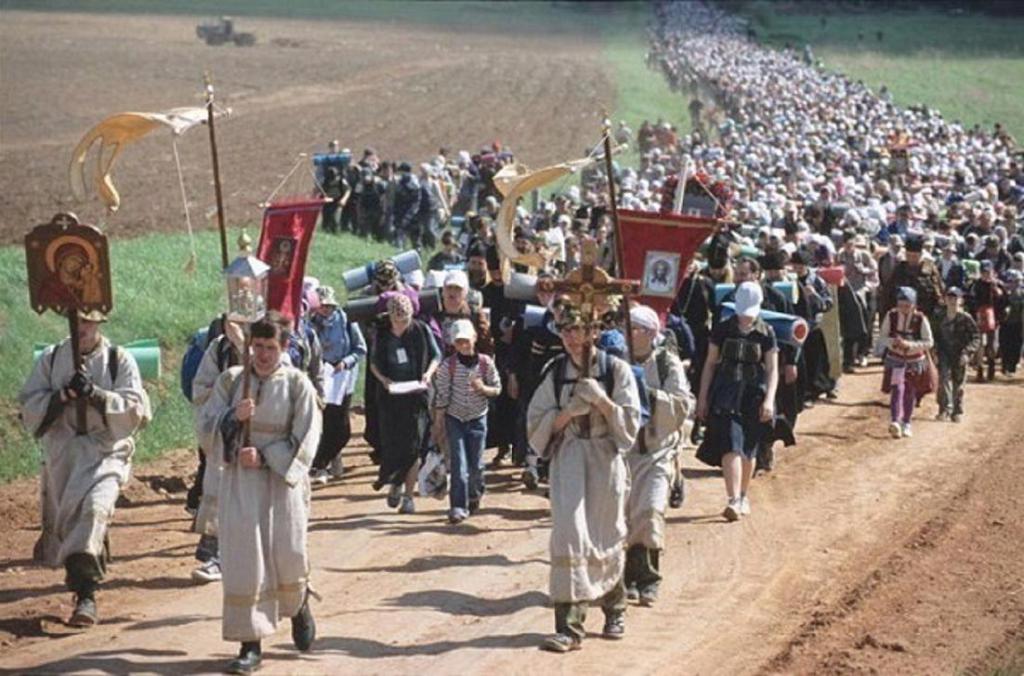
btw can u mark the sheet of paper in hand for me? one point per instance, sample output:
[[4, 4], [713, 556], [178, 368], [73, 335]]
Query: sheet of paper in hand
[[339, 385], [407, 387]]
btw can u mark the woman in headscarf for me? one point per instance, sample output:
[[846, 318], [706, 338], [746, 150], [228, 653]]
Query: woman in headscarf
[[404, 354], [903, 342]]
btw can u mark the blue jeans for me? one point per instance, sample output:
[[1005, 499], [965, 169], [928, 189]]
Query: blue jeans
[[466, 449]]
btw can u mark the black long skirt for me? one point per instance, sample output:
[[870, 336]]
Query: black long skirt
[[402, 426]]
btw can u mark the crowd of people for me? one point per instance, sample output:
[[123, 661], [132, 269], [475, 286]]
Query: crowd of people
[[888, 231]]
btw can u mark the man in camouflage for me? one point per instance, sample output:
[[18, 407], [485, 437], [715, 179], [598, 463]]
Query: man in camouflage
[[920, 274], [956, 340]]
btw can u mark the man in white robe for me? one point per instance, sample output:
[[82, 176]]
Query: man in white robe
[[264, 493], [652, 459], [588, 481], [82, 474]]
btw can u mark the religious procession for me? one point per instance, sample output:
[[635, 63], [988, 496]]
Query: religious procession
[[593, 325]]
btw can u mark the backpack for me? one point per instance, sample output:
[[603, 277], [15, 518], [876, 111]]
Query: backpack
[[192, 358], [559, 363]]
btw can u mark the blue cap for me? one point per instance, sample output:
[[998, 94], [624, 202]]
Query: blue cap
[[907, 293], [613, 342]]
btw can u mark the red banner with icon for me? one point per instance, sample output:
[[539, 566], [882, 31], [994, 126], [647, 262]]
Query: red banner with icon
[[657, 249], [288, 227]]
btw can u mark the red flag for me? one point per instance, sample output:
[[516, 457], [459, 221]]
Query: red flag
[[657, 249], [284, 243]]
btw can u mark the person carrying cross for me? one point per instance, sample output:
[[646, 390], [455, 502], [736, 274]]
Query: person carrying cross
[[584, 416]]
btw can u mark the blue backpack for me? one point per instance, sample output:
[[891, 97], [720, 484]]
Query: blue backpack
[[191, 360]]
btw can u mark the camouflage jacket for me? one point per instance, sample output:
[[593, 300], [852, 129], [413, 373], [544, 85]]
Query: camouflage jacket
[[924, 279], [957, 337]]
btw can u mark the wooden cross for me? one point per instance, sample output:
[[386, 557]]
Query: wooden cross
[[588, 288]]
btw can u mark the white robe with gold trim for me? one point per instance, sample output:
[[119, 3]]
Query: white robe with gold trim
[[263, 513], [589, 483], [81, 475]]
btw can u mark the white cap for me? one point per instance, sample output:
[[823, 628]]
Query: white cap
[[462, 329], [414, 278], [457, 278], [748, 299], [644, 317]]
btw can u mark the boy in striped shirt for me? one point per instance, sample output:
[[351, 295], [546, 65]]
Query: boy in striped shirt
[[463, 387]]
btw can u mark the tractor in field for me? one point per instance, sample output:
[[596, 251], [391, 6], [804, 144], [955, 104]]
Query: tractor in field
[[221, 31]]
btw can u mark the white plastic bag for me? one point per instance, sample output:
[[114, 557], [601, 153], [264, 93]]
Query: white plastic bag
[[433, 476]]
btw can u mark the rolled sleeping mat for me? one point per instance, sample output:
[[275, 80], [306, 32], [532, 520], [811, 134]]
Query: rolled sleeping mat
[[430, 301], [407, 261], [434, 279], [457, 222], [365, 309], [789, 329], [146, 353], [723, 290], [361, 309], [788, 289], [533, 315], [521, 286], [834, 276], [339, 160], [358, 278]]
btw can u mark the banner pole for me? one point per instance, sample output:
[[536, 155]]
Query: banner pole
[[216, 171], [620, 268], [81, 423]]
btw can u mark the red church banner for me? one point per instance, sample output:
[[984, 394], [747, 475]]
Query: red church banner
[[284, 244], [657, 249]]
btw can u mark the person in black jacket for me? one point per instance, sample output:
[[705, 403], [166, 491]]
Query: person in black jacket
[[406, 208]]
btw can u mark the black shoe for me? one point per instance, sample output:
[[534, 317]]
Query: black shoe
[[649, 594], [530, 478], [561, 643], [765, 460], [499, 458], [249, 659], [474, 506], [304, 627], [614, 626], [678, 494], [85, 614], [632, 594]]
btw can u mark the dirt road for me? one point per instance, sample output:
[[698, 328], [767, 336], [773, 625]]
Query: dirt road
[[863, 555]]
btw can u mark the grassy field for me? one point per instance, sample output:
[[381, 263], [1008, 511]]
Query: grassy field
[[969, 66], [641, 93], [153, 298]]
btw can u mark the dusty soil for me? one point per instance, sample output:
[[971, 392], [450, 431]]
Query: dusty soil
[[402, 90], [864, 555]]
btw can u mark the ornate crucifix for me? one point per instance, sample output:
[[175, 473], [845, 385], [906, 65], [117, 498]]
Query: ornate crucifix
[[588, 288]]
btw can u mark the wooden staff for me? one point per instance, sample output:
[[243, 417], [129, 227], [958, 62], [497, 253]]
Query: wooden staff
[[246, 385], [216, 171], [76, 359], [619, 264]]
